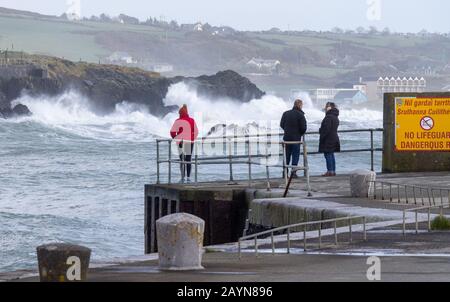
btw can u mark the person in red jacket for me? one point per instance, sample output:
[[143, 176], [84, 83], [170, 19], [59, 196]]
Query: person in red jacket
[[184, 131]]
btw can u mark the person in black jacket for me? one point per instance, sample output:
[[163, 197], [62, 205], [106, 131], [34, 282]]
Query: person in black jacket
[[294, 125], [329, 139]]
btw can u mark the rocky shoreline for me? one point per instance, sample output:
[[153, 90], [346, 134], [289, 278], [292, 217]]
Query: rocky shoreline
[[105, 86]]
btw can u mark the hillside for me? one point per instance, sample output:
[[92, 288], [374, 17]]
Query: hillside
[[307, 58]]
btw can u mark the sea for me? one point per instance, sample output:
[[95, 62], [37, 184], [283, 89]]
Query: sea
[[69, 174]]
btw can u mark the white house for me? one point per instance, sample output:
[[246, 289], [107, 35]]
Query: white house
[[119, 57], [264, 65]]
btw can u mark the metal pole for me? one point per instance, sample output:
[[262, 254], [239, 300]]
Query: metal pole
[[267, 166], [256, 246], [285, 170], [320, 236], [390, 192], [273, 245], [289, 241], [239, 249], [406, 194], [196, 163], [249, 164], [417, 222], [305, 156], [398, 193], [170, 162], [404, 223], [230, 156], [375, 190], [335, 233], [414, 194], [350, 229], [304, 238], [157, 162], [364, 229], [371, 151]]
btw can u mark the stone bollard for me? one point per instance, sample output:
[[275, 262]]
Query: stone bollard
[[361, 183], [61, 262], [180, 242]]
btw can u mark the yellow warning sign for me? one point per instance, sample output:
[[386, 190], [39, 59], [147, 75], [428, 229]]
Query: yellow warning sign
[[422, 124]]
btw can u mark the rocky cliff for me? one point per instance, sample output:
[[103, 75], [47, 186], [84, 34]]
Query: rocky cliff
[[107, 85]]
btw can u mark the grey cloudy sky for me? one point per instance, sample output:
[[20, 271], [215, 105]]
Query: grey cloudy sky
[[399, 15]]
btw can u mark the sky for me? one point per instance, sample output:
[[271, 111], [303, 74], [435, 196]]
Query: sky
[[398, 15]]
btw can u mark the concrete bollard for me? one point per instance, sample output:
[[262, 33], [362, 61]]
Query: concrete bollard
[[361, 183], [62, 262], [180, 242]]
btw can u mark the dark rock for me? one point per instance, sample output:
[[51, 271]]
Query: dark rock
[[21, 110]]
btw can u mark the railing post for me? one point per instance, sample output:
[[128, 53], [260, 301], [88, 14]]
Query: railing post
[[239, 249], [320, 236], [256, 246], [429, 219], [372, 165], [157, 162], [350, 229], [267, 163], [249, 163], [273, 244], [404, 223], [364, 228], [285, 170], [230, 158], [304, 238], [417, 222], [306, 166], [170, 163], [289, 241], [335, 233], [196, 163]]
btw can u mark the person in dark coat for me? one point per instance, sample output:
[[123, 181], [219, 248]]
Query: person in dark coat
[[329, 139], [294, 125]]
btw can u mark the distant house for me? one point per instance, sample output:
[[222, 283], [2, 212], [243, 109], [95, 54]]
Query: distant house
[[267, 66], [198, 26], [162, 68], [349, 97], [119, 57]]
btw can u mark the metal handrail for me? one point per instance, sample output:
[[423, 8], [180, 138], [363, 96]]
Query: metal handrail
[[231, 159], [416, 211], [403, 188], [304, 225]]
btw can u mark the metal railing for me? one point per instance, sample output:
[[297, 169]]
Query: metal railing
[[230, 159], [304, 225], [409, 194], [416, 211]]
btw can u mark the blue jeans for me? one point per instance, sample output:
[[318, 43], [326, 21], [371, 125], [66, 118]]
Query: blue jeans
[[292, 152], [331, 162]]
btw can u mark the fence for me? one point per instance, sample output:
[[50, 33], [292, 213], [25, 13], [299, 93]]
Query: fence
[[248, 158], [304, 225]]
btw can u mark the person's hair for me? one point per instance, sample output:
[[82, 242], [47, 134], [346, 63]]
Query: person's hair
[[298, 102], [332, 105]]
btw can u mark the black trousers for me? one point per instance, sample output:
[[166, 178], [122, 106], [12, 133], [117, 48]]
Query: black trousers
[[185, 150]]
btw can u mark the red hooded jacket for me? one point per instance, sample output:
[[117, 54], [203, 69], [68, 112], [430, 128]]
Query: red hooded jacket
[[185, 127]]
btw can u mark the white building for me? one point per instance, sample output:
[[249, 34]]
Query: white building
[[264, 65], [386, 85], [121, 58]]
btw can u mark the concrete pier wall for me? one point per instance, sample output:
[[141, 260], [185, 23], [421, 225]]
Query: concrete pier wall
[[223, 209]]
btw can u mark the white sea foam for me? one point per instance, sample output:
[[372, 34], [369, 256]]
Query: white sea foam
[[70, 112]]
